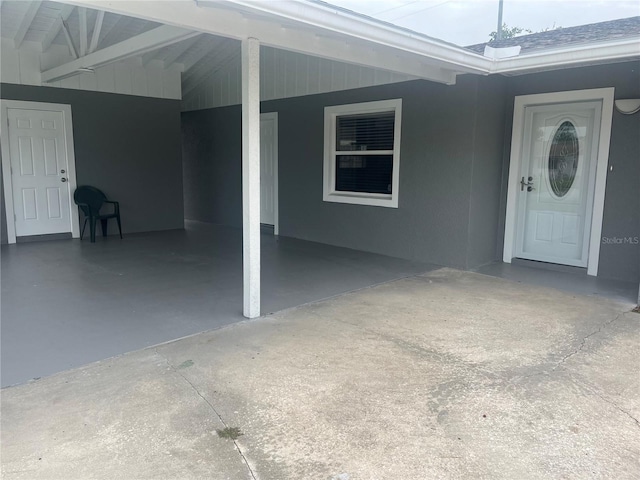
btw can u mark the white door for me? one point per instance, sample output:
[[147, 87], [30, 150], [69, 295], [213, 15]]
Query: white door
[[39, 172], [268, 169], [557, 182]]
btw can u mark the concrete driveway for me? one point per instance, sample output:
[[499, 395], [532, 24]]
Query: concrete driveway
[[442, 376]]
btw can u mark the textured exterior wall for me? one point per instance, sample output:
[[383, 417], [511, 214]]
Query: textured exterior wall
[[438, 150], [622, 195], [127, 146]]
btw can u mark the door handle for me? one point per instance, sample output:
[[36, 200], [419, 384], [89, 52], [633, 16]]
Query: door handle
[[528, 184], [63, 179]]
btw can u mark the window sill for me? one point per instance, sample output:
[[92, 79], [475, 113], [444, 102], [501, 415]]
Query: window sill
[[354, 198]]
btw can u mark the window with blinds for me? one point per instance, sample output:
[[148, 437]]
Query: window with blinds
[[362, 153]]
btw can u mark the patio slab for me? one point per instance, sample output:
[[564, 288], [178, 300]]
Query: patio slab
[[67, 303], [449, 374]]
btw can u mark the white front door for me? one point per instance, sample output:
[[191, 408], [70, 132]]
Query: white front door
[[268, 169], [39, 172], [557, 182]]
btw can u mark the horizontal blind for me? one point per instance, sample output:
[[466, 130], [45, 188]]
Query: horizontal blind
[[370, 131]]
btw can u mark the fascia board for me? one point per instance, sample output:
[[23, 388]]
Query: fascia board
[[573, 56]]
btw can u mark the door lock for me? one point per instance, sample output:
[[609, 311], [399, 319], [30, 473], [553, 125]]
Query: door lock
[[62, 171], [528, 184], [63, 179]]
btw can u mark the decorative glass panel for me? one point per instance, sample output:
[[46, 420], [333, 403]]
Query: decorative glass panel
[[563, 159]]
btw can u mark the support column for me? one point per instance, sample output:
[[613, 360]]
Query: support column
[[251, 176]]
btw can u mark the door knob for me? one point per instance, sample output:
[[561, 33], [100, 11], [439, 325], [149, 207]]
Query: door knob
[[528, 184], [63, 179]]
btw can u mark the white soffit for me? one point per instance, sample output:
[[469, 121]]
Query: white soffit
[[225, 19], [322, 30]]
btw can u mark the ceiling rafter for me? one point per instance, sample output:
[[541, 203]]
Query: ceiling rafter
[[82, 20], [97, 28], [72, 48], [26, 22], [134, 46], [54, 31], [394, 52]]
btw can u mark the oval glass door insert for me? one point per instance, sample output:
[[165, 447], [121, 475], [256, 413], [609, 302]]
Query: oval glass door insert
[[563, 159]]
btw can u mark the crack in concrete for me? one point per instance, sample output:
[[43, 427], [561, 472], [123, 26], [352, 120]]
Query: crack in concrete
[[618, 407], [584, 341], [213, 409]]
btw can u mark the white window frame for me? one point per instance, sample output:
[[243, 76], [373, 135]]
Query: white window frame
[[330, 194]]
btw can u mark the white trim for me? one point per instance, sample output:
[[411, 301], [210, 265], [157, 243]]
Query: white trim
[[251, 176], [276, 210], [330, 194], [605, 95], [5, 105], [311, 28], [151, 40]]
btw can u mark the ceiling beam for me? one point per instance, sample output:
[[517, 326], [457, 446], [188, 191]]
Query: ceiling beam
[[72, 48], [417, 59], [53, 32], [82, 20], [138, 45], [25, 23], [97, 28]]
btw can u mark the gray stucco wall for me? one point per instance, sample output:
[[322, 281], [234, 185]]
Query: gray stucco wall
[[438, 151], [453, 173], [211, 153], [622, 195], [128, 146]]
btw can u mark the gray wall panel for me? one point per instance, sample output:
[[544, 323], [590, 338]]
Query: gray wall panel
[[212, 165], [128, 146], [431, 223], [622, 196], [488, 151], [453, 173]]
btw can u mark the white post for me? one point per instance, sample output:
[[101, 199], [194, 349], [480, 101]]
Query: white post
[[251, 176]]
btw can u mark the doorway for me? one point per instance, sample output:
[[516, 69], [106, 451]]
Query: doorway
[[269, 170], [557, 177], [38, 166]]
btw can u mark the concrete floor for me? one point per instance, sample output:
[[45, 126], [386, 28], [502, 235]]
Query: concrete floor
[[573, 281], [67, 303], [447, 375]]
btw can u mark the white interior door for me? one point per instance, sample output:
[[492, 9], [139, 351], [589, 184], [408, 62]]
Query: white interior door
[[268, 169], [557, 182], [39, 172]]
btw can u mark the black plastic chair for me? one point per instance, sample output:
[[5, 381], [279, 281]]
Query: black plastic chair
[[90, 200]]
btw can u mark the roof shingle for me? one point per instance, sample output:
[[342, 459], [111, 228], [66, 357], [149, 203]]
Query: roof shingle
[[561, 37]]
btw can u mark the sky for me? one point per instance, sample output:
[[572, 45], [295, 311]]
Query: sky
[[466, 22]]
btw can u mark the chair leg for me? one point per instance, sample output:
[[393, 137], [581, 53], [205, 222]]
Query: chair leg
[[92, 228], [119, 226], [84, 225], [103, 221]]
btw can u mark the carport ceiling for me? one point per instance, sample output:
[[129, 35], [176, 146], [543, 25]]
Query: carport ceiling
[[134, 30], [198, 37]]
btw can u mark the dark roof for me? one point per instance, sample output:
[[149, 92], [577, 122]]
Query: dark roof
[[563, 37]]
